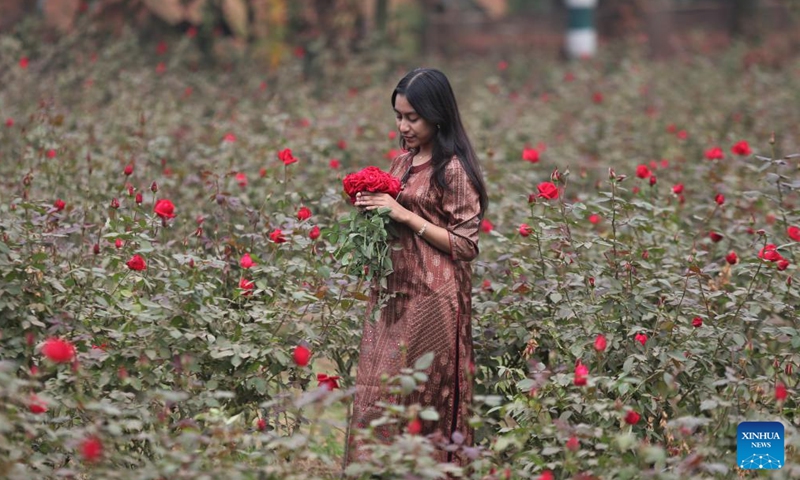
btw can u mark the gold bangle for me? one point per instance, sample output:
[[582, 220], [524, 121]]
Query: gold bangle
[[422, 230]]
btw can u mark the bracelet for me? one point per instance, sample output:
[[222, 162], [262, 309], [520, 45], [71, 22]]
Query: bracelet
[[422, 230]]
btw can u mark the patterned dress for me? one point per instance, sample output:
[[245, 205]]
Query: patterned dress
[[430, 311]]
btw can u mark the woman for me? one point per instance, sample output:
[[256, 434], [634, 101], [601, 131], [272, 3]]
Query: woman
[[438, 214]]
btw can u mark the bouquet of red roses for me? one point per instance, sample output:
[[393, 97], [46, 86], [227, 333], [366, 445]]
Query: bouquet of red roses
[[370, 179], [363, 236]]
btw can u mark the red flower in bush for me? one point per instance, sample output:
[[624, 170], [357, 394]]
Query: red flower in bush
[[91, 449], [57, 350], [794, 233], [715, 153], [641, 338], [314, 233], [164, 209], [600, 343], [229, 137], [573, 444], [652, 180], [414, 427], [261, 424], [783, 264], [642, 171], [286, 156], [632, 418], [301, 355], [59, 205], [697, 322], [331, 383], [770, 253], [732, 258], [246, 261], [370, 179], [486, 226], [741, 148], [597, 97], [530, 155], [241, 179], [277, 236], [546, 475], [9, 122], [548, 190], [677, 189], [715, 236], [525, 230], [594, 219], [303, 214], [246, 286], [36, 405], [780, 392], [335, 164], [581, 375], [136, 263], [128, 169], [720, 199]]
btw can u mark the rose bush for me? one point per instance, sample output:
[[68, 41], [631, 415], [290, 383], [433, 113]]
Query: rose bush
[[178, 358]]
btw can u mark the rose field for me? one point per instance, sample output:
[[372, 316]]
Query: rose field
[[172, 305]]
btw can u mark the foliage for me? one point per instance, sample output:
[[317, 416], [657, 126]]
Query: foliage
[[183, 371]]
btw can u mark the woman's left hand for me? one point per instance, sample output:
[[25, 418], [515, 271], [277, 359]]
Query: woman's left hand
[[372, 201]]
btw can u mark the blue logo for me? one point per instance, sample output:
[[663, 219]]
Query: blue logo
[[759, 445]]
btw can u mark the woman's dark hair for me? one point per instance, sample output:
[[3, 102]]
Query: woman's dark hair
[[429, 93]]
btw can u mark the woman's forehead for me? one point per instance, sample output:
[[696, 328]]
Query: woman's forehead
[[401, 105]]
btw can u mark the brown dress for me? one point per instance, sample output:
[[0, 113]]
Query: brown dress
[[430, 311]]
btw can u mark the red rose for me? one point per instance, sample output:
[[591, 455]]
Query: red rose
[[642, 171], [261, 424], [780, 392], [783, 264], [246, 262], [277, 236], [9, 122], [715, 153], [600, 343], [794, 233], [530, 155], [652, 180], [525, 230], [632, 418], [303, 214], [548, 190], [720, 199], [59, 205], [370, 179], [128, 169], [741, 148], [573, 444], [697, 322], [677, 189], [597, 97], [334, 164], [241, 179], [342, 145], [301, 355], [136, 263], [770, 253], [330, 383], [23, 63], [37, 405], [314, 233], [57, 350], [732, 258], [547, 475], [139, 199], [164, 209], [91, 449], [114, 203], [414, 426], [594, 219], [246, 286], [486, 226], [581, 374], [715, 236], [641, 338], [286, 156], [229, 137]]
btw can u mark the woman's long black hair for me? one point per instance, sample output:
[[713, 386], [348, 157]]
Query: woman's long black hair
[[429, 93]]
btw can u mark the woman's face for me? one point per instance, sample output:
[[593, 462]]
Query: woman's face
[[416, 131]]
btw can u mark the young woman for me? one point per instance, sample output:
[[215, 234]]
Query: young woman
[[438, 214]]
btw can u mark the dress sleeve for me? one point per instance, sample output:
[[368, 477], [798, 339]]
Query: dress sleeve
[[461, 207]]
